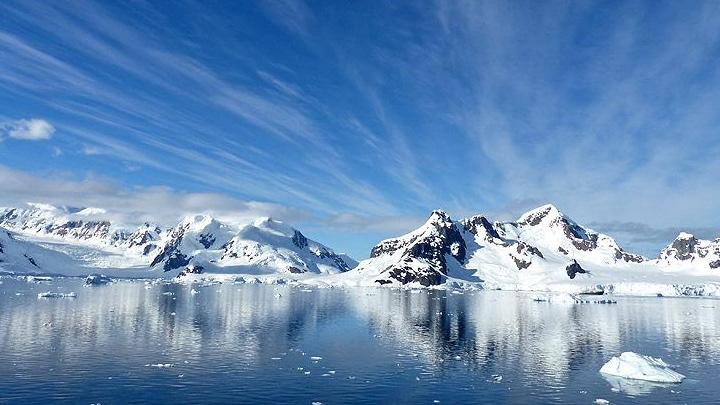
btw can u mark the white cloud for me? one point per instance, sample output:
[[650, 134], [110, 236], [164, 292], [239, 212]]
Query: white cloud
[[34, 129], [131, 207]]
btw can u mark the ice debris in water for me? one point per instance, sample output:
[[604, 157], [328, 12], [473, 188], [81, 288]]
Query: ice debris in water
[[38, 279], [194, 291], [97, 279], [50, 294], [497, 378], [638, 367], [160, 365], [601, 401], [315, 358], [568, 299]]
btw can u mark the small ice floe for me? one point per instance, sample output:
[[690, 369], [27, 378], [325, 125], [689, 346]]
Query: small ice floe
[[317, 403], [97, 279], [275, 358], [51, 294], [194, 291], [497, 378], [278, 295], [457, 292], [331, 372], [38, 279], [315, 358], [168, 293], [638, 367], [458, 358], [161, 365], [601, 401], [307, 373]]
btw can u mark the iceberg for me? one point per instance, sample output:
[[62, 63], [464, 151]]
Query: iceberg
[[97, 279], [638, 367]]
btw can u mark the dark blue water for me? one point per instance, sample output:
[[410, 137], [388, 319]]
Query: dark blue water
[[244, 344]]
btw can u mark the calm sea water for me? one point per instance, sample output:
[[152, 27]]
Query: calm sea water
[[282, 344]]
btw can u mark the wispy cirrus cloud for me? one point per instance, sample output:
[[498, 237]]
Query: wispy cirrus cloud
[[370, 111]]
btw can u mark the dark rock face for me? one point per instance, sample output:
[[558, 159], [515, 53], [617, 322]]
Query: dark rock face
[[206, 239], [521, 264], [684, 247], [170, 254], [80, 229], [193, 269], [573, 269], [31, 260], [149, 248], [715, 264], [406, 274], [299, 240], [628, 257], [524, 248], [295, 270], [478, 223], [562, 250], [439, 238], [536, 218], [326, 254]]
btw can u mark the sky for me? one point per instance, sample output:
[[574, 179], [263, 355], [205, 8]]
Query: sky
[[353, 120]]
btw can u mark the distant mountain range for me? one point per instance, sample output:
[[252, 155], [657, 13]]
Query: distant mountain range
[[197, 244], [542, 249]]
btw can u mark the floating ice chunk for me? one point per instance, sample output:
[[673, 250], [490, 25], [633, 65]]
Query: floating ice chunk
[[638, 367], [497, 378], [38, 279], [275, 358], [51, 294], [317, 403], [168, 293], [161, 365], [601, 401], [315, 358], [194, 291], [97, 279]]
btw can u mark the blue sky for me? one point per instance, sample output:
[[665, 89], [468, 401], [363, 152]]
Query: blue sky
[[352, 120]]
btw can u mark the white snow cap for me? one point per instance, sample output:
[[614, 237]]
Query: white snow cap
[[552, 212], [685, 235], [638, 367]]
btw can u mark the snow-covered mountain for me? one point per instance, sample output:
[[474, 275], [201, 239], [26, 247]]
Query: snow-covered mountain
[[688, 251], [543, 248], [17, 255], [197, 244]]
